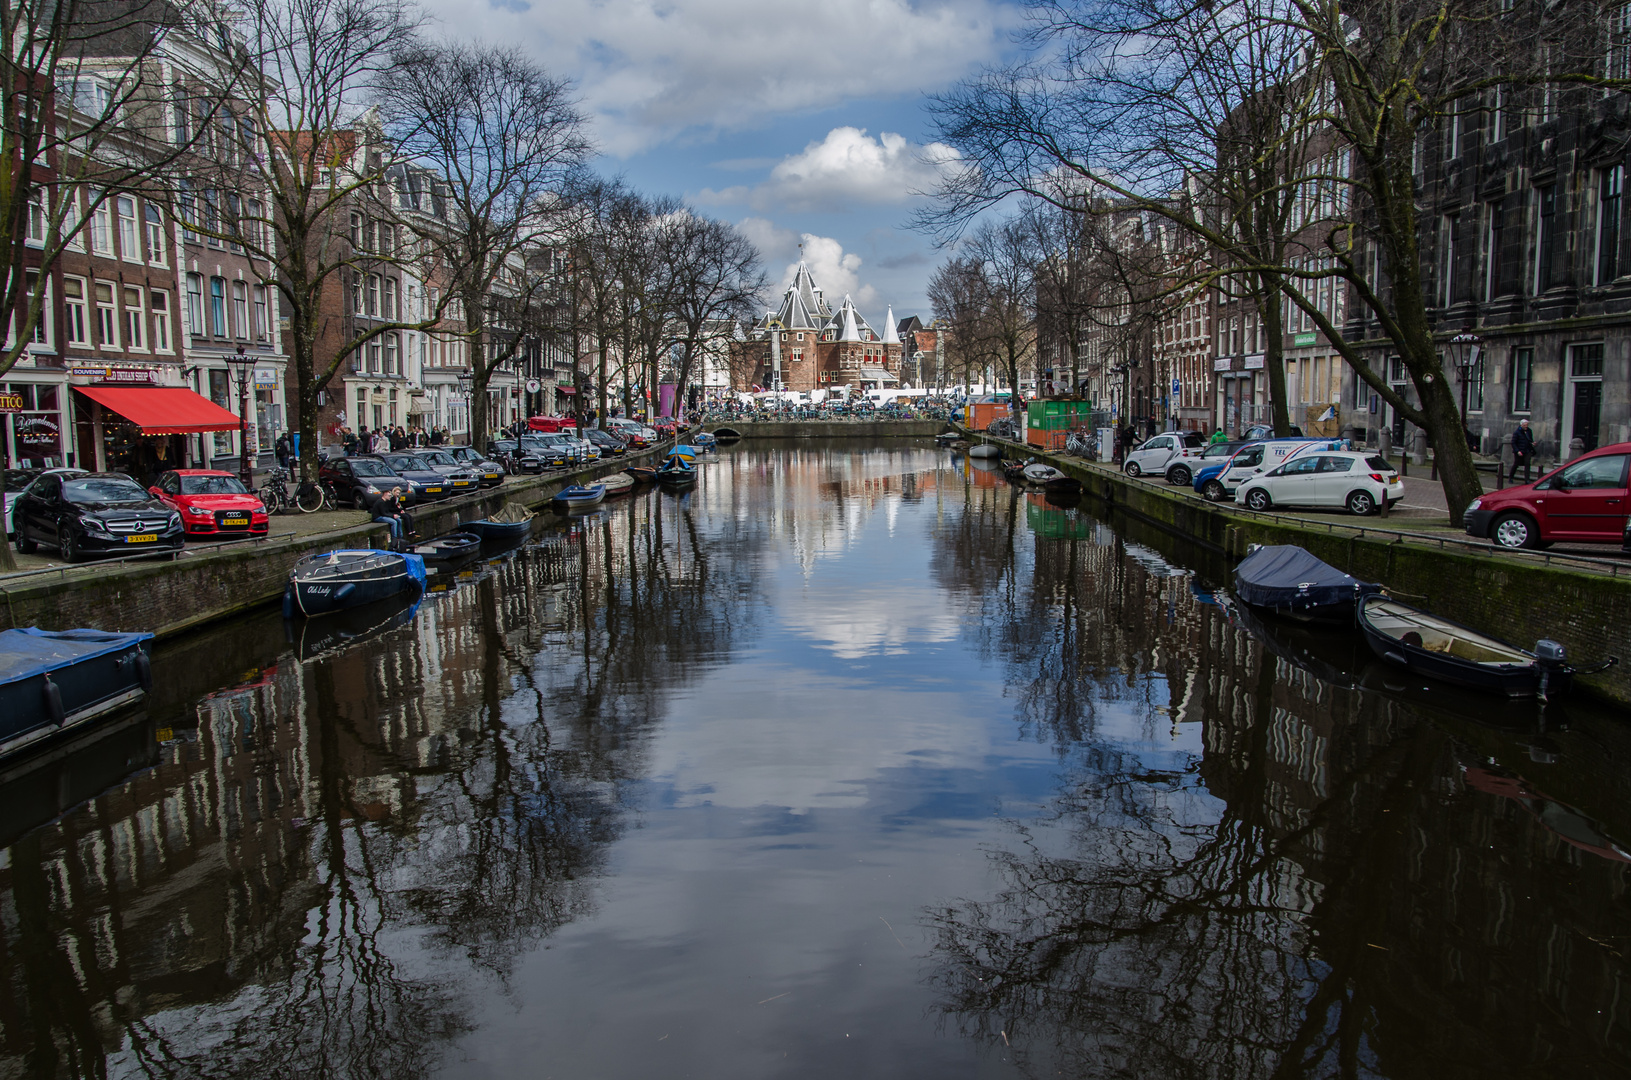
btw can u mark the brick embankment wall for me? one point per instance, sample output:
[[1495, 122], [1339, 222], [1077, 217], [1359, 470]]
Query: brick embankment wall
[[165, 598], [836, 429], [1507, 596]]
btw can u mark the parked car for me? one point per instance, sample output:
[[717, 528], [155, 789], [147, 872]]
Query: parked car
[[516, 458], [211, 502], [665, 426], [460, 477], [586, 450], [1219, 482], [1263, 432], [1159, 451], [1584, 500], [636, 434], [608, 444], [489, 471], [554, 451], [1362, 482], [1181, 472], [94, 513], [431, 484], [17, 482], [360, 474]]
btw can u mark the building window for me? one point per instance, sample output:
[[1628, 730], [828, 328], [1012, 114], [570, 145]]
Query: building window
[[374, 356], [1494, 241], [1609, 184], [218, 307], [130, 241], [101, 227], [1545, 235], [107, 316], [160, 303], [195, 305], [188, 208], [261, 326], [155, 235], [240, 310], [391, 360], [135, 318], [1586, 361], [212, 217], [36, 218], [356, 293], [1619, 43], [252, 226], [73, 295], [1519, 370], [42, 325], [390, 298], [357, 233], [1475, 385], [373, 296], [1449, 225]]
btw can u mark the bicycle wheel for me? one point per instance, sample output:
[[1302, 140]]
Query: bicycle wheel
[[272, 498], [331, 498], [309, 498]]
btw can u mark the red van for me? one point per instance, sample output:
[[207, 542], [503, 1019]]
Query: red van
[[1584, 501]]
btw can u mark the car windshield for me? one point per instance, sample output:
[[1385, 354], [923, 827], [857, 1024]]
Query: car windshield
[[17, 479], [365, 467], [103, 489], [212, 485], [407, 461], [438, 458]]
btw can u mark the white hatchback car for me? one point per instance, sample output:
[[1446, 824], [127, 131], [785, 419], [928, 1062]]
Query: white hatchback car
[[1361, 482], [1159, 451]]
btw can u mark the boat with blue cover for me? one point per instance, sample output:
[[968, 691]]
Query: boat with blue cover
[[1295, 584], [704, 442], [677, 472], [578, 497], [53, 680], [348, 578]]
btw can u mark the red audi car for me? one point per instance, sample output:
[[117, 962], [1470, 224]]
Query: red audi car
[[212, 503]]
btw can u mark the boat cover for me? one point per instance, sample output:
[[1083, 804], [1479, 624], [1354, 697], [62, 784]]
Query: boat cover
[[31, 651], [1286, 576], [415, 565]]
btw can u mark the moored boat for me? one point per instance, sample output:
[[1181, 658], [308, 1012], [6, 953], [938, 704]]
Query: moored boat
[[1293, 583], [1041, 473], [985, 450], [319, 637], [686, 451], [1014, 471], [510, 523], [347, 578], [578, 497], [616, 483], [642, 474], [1432, 646], [704, 441], [677, 472], [53, 680], [448, 547]]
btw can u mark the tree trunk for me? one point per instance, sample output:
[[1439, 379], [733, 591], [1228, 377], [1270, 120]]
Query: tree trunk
[[1274, 360]]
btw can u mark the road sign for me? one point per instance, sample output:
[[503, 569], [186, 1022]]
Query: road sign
[[533, 386], [1177, 387]]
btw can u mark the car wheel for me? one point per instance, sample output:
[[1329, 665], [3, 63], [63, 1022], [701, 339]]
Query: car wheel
[[1132, 469], [1212, 491], [69, 546], [1179, 476], [1361, 503], [1258, 499], [1515, 531]]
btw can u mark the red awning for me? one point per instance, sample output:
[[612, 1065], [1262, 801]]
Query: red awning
[[567, 389], [163, 410]]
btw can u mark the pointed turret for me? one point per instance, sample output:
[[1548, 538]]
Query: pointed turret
[[889, 335], [848, 321]]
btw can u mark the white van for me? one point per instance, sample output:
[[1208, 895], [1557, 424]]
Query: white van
[[1260, 457]]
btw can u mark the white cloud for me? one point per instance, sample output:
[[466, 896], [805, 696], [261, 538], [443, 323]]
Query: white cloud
[[845, 169], [651, 69], [836, 271]]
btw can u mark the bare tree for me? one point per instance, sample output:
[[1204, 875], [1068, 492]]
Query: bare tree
[[717, 281], [501, 135], [987, 294]]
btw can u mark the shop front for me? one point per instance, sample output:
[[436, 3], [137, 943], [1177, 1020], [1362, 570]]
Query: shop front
[[143, 430], [32, 432]]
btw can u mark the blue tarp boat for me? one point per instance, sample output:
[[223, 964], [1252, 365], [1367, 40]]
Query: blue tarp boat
[[52, 680], [348, 578], [677, 471], [578, 497], [1293, 583]]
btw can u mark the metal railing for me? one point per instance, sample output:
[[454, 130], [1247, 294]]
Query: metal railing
[[144, 556]]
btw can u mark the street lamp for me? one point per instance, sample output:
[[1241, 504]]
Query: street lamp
[[1465, 348], [239, 365]]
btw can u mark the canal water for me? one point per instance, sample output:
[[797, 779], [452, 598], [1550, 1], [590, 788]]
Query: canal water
[[853, 761]]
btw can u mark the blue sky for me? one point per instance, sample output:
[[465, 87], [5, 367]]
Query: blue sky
[[796, 122]]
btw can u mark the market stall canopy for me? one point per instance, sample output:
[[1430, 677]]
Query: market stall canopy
[[163, 410]]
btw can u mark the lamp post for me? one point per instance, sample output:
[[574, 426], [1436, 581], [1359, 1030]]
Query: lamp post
[[239, 366], [465, 381], [1464, 351]]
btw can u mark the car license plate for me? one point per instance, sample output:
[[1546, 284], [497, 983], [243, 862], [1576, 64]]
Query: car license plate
[[235, 521], [141, 538], [1395, 481], [492, 476], [461, 483], [433, 491]]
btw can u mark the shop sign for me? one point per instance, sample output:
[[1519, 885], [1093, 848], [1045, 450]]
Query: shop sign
[[266, 378], [116, 374], [11, 401], [1223, 363], [1305, 338], [1254, 362], [39, 433]]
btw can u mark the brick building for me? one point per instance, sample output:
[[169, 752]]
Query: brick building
[[813, 347]]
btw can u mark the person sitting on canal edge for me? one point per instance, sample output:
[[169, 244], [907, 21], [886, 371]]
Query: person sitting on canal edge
[[1523, 449], [387, 509]]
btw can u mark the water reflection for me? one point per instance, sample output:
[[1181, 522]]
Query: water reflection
[[688, 766], [1332, 885]]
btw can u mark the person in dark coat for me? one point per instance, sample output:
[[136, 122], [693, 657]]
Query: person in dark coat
[[283, 449], [387, 508], [1523, 450]]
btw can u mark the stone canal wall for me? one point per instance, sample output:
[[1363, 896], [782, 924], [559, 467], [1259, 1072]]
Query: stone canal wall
[[1512, 597], [832, 429], [166, 598]]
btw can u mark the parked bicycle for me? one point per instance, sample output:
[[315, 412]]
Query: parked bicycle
[[309, 497]]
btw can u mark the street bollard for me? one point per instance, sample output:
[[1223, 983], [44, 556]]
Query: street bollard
[[1577, 446]]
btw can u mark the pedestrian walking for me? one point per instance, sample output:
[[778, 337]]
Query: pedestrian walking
[[1217, 437], [1523, 450], [283, 449]]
